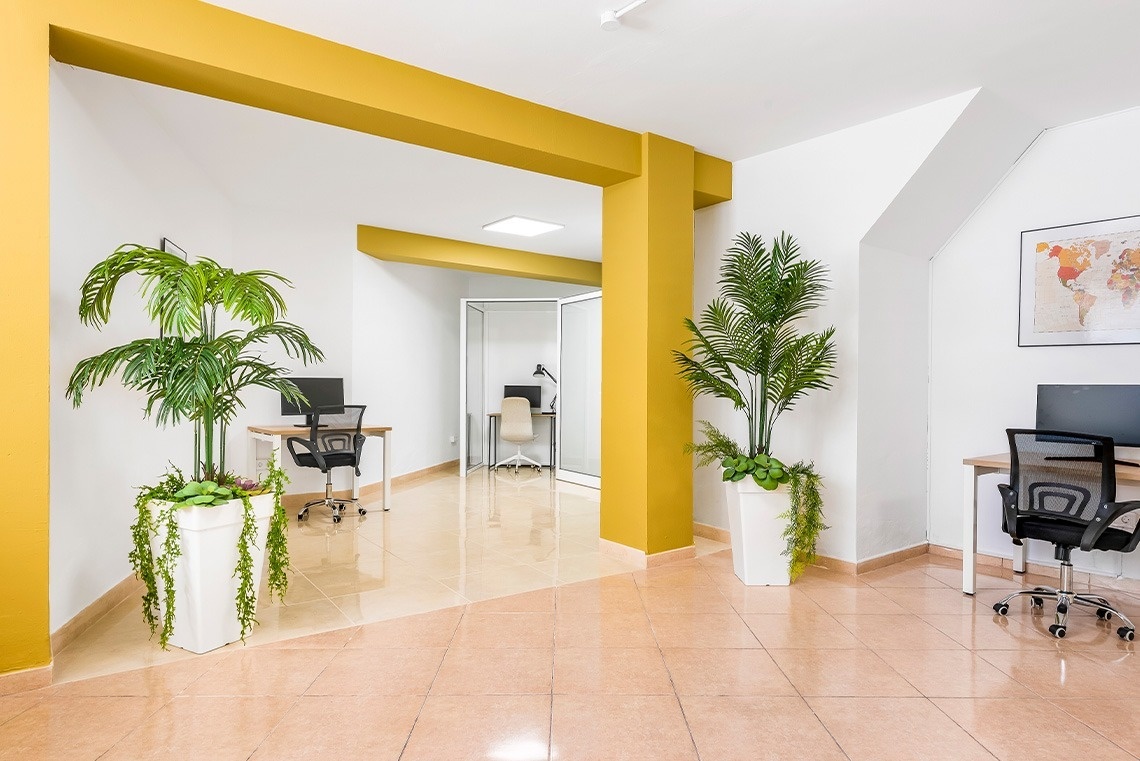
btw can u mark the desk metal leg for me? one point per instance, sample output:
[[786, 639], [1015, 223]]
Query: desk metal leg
[[387, 439], [1019, 556], [969, 529], [552, 429]]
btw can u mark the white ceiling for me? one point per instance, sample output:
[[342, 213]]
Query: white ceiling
[[739, 77]]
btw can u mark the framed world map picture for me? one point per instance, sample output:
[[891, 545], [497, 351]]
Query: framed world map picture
[[1080, 284]]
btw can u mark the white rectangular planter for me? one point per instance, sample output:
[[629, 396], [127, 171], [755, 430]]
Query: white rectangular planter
[[205, 588], [757, 533]]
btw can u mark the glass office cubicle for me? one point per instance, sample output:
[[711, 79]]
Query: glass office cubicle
[[474, 378], [580, 389]]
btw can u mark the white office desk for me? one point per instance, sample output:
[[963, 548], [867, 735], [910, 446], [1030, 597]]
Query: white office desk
[[975, 467], [275, 435]]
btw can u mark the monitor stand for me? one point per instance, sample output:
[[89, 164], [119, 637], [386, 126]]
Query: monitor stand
[[308, 423]]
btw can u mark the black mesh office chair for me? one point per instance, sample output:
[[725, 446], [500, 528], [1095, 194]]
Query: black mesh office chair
[[336, 447], [1062, 489]]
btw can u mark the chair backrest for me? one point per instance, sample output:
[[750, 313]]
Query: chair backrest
[[516, 425], [1060, 474], [346, 420]]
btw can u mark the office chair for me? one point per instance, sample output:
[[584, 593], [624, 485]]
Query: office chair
[[1062, 489], [334, 448], [517, 427]]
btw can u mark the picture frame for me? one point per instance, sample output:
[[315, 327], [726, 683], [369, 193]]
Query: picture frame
[[1080, 284]]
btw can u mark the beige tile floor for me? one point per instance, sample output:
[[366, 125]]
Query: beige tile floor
[[678, 662], [446, 542]]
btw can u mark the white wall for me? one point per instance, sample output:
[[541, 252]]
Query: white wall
[[107, 188], [981, 382], [406, 360], [826, 192], [892, 407]]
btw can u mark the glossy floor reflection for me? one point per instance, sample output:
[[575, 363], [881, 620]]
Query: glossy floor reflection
[[678, 662], [445, 542]]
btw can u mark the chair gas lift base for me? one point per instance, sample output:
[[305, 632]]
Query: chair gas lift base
[[1065, 598], [336, 506], [1062, 489]]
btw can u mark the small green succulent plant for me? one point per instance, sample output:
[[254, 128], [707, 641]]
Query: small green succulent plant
[[203, 494], [767, 472]]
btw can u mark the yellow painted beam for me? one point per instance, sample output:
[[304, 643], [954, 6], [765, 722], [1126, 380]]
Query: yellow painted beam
[[712, 180], [647, 413], [213, 51], [201, 48], [24, 621], [413, 248]]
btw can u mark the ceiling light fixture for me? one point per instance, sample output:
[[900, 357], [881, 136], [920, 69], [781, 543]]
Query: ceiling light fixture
[[522, 226], [611, 20]]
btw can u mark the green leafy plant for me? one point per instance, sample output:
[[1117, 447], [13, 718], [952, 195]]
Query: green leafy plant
[[194, 372], [203, 494], [745, 347], [191, 371]]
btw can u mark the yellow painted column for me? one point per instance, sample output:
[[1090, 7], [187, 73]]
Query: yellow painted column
[[24, 640], [647, 289]]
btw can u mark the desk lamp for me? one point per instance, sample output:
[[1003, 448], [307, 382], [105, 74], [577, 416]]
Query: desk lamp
[[540, 371]]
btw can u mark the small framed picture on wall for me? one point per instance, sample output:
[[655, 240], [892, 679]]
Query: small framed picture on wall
[[1080, 284]]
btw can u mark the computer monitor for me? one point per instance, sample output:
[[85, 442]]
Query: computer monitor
[[531, 393], [320, 392], [1102, 410]]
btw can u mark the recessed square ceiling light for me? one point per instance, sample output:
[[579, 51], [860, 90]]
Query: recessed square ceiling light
[[522, 226]]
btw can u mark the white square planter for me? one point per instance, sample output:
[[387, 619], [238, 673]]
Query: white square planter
[[757, 533], [205, 588]]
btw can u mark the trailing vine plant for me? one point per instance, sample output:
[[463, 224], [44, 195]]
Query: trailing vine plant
[[276, 541], [745, 347]]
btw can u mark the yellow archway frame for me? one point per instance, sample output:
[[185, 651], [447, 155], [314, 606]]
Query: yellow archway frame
[[651, 186]]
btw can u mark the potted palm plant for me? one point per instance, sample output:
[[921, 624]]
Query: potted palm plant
[[745, 347], [200, 542]]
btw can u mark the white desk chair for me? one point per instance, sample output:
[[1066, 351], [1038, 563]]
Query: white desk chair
[[517, 427]]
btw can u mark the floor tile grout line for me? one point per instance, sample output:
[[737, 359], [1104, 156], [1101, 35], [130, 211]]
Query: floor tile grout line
[[435, 676]]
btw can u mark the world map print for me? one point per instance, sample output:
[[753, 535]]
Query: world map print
[[1087, 283]]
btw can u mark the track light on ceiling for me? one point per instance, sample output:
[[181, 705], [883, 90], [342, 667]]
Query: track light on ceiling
[[611, 20]]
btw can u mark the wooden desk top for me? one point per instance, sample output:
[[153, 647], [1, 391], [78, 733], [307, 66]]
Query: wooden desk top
[[296, 430], [1124, 473], [532, 414]]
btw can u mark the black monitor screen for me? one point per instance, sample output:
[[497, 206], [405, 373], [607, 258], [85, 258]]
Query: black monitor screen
[[1100, 410], [531, 393], [321, 392]]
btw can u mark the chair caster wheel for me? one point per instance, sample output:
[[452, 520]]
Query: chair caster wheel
[[1057, 631], [1126, 634], [1001, 608], [361, 511], [1104, 614], [1037, 602]]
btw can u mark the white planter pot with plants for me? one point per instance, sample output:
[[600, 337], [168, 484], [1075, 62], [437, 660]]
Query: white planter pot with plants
[[745, 348], [200, 544], [206, 588]]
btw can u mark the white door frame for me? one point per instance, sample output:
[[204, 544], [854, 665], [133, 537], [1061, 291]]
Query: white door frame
[[463, 303], [560, 473]]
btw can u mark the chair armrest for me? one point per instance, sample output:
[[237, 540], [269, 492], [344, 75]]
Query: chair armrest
[[358, 447], [1105, 516], [314, 450], [1009, 512]]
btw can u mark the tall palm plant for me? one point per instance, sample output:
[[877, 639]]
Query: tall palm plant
[[745, 346], [191, 371]]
